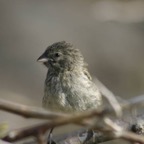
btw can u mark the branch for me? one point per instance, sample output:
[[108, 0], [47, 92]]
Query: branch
[[27, 111], [39, 113], [119, 133], [59, 119], [110, 97], [109, 133]]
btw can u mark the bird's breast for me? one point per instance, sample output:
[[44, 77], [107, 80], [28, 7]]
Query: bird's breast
[[55, 94], [69, 93]]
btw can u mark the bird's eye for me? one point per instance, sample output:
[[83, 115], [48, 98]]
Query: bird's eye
[[57, 54]]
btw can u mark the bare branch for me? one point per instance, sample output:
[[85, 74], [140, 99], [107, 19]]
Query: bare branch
[[27, 111], [59, 119], [119, 133], [137, 101], [110, 97], [39, 113]]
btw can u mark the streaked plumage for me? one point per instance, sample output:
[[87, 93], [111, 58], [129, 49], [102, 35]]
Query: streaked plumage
[[68, 85]]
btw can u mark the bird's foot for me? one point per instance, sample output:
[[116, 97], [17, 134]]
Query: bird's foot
[[86, 136], [50, 138]]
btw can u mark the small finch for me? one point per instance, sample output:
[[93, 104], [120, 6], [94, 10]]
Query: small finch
[[68, 85]]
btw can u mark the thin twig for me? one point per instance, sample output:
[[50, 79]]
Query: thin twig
[[137, 101], [28, 111], [39, 113], [110, 97], [119, 133], [32, 131], [58, 119]]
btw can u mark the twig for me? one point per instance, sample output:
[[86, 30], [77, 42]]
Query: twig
[[113, 129], [119, 133], [27, 111], [110, 97], [39, 113], [34, 112], [137, 101], [61, 119], [32, 131]]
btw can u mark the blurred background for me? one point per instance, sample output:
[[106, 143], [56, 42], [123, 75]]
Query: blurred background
[[110, 34]]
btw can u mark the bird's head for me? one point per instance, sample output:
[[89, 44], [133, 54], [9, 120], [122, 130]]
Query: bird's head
[[61, 56]]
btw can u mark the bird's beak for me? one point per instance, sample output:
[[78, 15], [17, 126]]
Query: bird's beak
[[42, 58]]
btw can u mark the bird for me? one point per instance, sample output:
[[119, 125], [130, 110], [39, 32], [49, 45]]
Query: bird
[[68, 86]]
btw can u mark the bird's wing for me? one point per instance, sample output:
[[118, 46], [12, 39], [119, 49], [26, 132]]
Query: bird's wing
[[86, 71]]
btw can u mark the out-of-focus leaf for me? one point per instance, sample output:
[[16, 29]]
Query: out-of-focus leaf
[[3, 129]]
